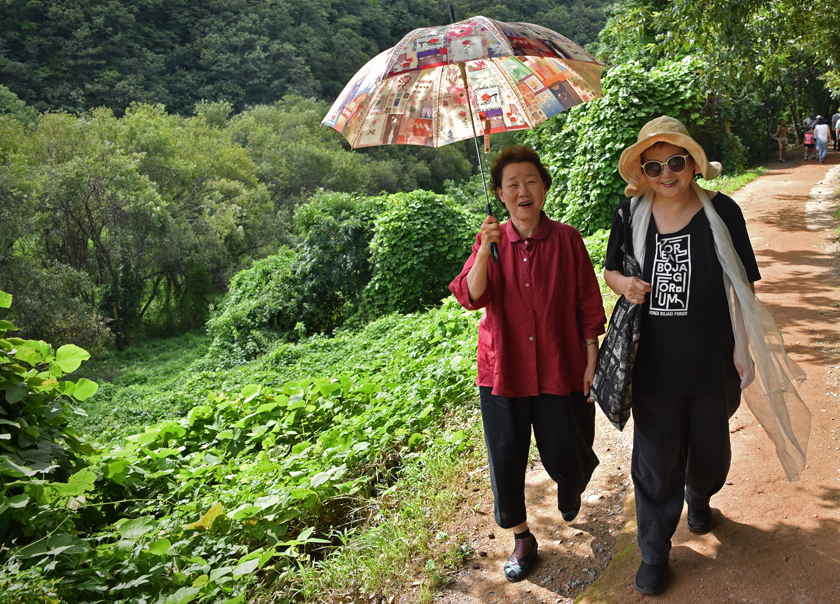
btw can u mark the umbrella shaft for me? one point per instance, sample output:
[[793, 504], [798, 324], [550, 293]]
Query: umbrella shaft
[[494, 249]]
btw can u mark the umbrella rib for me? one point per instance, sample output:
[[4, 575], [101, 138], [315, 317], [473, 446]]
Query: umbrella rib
[[436, 113], [503, 39], [503, 76]]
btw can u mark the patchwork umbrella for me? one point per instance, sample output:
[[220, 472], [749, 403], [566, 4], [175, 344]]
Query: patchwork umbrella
[[449, 83]]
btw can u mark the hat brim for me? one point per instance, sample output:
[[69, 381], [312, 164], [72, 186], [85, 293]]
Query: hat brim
[[630, 163]]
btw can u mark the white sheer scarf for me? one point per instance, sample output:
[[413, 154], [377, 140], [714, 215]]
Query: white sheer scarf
[[759, 346]]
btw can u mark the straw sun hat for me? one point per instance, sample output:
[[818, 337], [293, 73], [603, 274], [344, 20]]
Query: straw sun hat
[[669, 130]]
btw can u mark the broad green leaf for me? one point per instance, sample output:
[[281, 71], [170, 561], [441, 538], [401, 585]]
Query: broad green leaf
[[319, 479], [201, 581], [70, 356], [149, 436], [250, 392], [5, 300], [218, 573], [225, 435], [10, 468], [16, 392], [116, 471], [29, 355], [266, 557], [246, 567], [18, 501], [183, 595], [53, 409], [5, 325], [136, 528], [159, 547], [66, 387], [266, 502], [85, 389], [243, 512], [302, 493]]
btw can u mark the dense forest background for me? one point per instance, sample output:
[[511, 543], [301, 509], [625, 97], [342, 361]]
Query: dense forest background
[[76, 56]]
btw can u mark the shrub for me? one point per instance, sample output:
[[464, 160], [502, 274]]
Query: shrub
[[420, 244], [261, 307], [581, 147], [37, 448]]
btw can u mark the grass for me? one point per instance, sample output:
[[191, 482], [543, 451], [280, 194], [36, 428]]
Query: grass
[[404, 546], [730, 183], [137, 385]]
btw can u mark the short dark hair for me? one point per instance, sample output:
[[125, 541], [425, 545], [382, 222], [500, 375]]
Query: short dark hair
[[518, 154]]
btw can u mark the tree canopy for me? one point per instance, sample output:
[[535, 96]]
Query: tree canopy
[[75, 55]]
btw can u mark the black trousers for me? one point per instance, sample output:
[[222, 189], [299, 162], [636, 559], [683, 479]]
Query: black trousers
[[564, 428], [681, 451]]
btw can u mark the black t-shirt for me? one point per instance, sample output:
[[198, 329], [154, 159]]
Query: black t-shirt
[[686, 340]]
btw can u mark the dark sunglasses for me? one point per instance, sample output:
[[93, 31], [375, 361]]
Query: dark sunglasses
[[675, 163]]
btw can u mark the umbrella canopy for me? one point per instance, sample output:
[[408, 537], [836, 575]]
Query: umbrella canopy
[[518, 75]]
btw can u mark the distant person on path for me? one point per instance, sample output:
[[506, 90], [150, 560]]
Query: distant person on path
[[781, 136], [686, 384], [810, 121], [835, 120], [822, 135], [809, 144], [537, 347]]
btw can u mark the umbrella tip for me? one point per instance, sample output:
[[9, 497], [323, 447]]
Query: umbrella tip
[[451, 14]]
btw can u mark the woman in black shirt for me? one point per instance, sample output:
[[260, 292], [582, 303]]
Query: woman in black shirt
[[686, 378]]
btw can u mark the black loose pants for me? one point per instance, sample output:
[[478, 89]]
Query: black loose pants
[[564, 428], [681, 451]]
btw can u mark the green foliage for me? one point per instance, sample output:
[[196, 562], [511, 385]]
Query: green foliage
[[421, 242], [10, 104], [38, 450], [334, 260], [582, 146], [76, 55], [107, 216], [261, 306], [252, 480], [596, 245]]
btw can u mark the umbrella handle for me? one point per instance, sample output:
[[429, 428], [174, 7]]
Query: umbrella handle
[[494, 248]]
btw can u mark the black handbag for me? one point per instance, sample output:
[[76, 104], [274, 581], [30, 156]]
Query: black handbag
[[612, 386]]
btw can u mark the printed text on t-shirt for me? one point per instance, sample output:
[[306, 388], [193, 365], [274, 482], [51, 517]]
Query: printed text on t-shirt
[[671, 277]]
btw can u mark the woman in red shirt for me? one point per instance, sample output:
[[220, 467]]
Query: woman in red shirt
[[537, 347]]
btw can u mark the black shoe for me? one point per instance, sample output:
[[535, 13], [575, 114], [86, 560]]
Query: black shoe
[[519, 563], [699, 519], [572, 514], [650, 578]]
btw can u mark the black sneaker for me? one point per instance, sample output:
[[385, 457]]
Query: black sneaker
[[699, 519], [650, 578], [519, 562]]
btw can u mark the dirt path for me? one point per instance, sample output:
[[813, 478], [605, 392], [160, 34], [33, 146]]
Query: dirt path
[[773, 541]]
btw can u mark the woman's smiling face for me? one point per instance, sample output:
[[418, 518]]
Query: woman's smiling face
[[668, 184], [522, 191]]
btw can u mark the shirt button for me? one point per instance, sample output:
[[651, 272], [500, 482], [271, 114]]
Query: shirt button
[[527, 285], [529, 312], [526, 243], [531, 338], [524, 260]]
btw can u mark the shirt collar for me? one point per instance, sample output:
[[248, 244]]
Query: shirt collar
[[540, 233]]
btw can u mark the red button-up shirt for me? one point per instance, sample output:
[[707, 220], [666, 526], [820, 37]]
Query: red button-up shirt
[[542, 299]]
